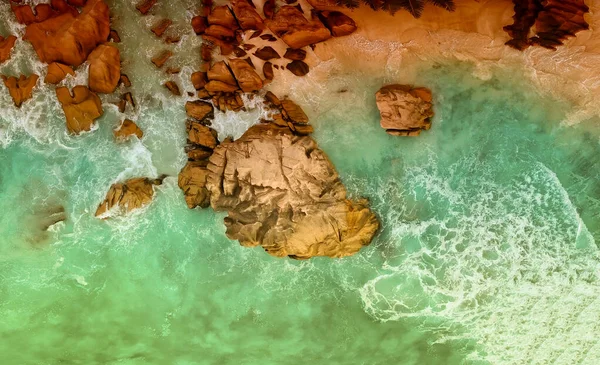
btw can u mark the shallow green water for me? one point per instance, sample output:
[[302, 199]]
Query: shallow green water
[[488, 252]]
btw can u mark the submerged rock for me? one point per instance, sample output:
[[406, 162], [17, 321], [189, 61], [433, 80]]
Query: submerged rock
[[127, 129], [70, 39], [281, 192], [20, 89], [105, 69], [404, 110], [127, 196], [81, 108]]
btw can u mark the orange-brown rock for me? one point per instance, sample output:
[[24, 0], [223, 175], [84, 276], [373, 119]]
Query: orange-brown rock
[[339, 24], [220, 32], [293, 112], [6, 45], [220, 72], [144, 6], [198, 109], [247, 16], [160, 59], [196, 153], [127, 196], [199, 24], [298, 68], [20, 89], [295, 30], [26, 15], [81, 108], [126, 98], [127, 129], [199, 79], [113, 36], [215, 86], [266, 53], [105, 69], [69, 39], [404, 110], [281, 192], [295, 54], [228, 101], [247, 78], [57, 72], [269, 9], [173, 88], [221, 15], [268, 70], [161, 27], [192, 181], [201, 135], [124, 80]]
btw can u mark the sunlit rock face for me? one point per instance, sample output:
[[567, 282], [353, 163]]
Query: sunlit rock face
[[404, 110], [282, 193]]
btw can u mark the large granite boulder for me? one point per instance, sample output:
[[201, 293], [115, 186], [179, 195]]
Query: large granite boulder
[[105, 69], [127, 196], [281, 192], [404, 110], [69, 39], [81, 108]]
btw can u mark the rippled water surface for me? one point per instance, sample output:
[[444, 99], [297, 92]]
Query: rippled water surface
[[488, 252]]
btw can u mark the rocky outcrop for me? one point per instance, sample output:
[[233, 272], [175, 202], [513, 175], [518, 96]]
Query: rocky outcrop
[[57, 72], [192, 181], [6, 46], [127, 129], [127, 196], [105, 69], [69, 39], [81, 108], [404, 110], [295, 30], [281, 192], [20, 89]]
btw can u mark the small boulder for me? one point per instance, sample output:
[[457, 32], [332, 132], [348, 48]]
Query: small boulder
[[199, 24], [144, 6], [295, 54], [201, 135], [198, 109], [6, 46], [199, 79], [81, 108], [20, 89], [246, 76], [105, 69], [246, 15], [161, 27], [221, 15], [221, 72], [298, 68], [268, 70], [57, 72], [266, 53], [295, 30], [127, 196], [160, 59], [338, 23], [293, 112], [127, 129], [404, 110], [173, 88]]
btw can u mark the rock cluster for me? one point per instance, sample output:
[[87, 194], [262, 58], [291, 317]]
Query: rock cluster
[[553, 20], [280, 190], [225, 28], [404, 110]]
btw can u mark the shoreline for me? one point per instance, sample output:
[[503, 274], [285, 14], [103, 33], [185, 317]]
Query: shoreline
[[383, 42]]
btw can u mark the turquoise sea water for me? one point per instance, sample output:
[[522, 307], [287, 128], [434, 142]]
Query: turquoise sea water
[[487, 254]]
